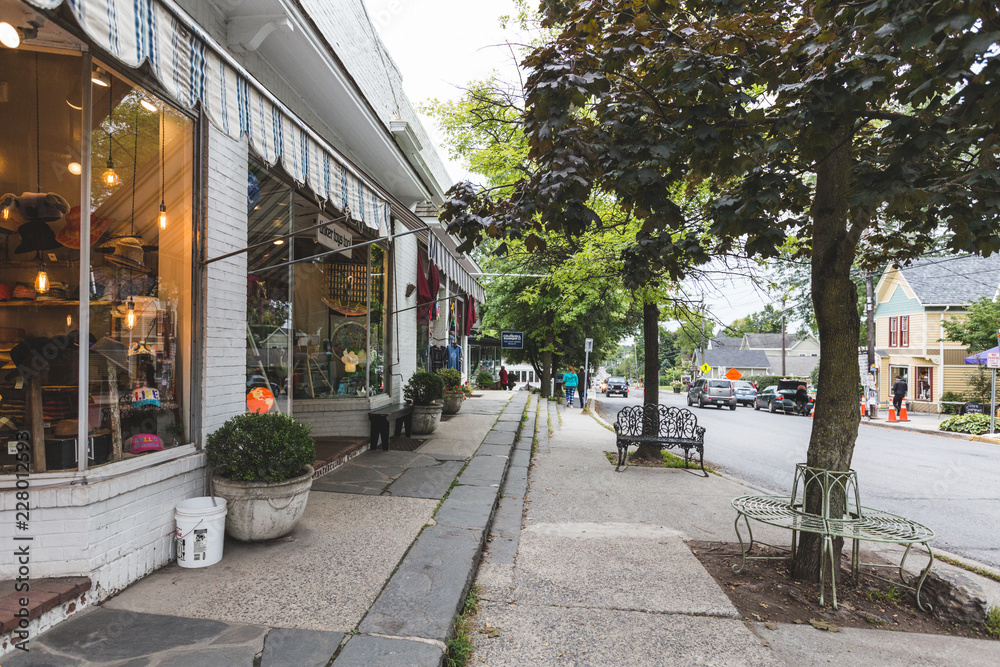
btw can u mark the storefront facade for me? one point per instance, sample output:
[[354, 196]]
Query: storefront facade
[[174, 237]]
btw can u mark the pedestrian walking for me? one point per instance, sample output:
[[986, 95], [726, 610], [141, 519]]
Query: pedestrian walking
[[898, 393], [570, 382], [503, 378], [582, 387]]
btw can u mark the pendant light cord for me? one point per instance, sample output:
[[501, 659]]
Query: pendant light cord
[[135, 168], [163, 155], [38, 132]]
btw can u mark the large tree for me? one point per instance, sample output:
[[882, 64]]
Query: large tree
[[863, 129]]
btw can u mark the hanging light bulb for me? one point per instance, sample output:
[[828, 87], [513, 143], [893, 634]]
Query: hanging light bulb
[[163, 215], [6, 214], [110, 176], [42, 280], [148, 106], [74, 168], [130, 315], [69, 321], [9, 36]]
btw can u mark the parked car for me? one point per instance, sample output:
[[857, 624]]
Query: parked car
[[782, 397], [705, 391], [746, 394], [617, 385]]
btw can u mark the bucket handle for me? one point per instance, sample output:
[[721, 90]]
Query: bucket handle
[[184, 536]]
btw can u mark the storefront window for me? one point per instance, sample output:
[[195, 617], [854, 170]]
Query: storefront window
[[138, 285], [376, 323], [269, 303], [925, 383], [903, 372], [140, 272], [39, 270], [333, 310]]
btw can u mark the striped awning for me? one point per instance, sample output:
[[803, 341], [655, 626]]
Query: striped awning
[[447, 263], [194, 70]]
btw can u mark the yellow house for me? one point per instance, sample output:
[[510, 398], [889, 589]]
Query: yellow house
[[911, 303]]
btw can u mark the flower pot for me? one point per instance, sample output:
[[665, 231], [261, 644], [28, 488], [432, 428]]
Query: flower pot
[[259, 511], [677, 390], [426, 418], [453, 403]]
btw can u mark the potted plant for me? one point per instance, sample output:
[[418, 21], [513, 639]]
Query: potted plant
[[263, 468], [676, 385], [484, 380], [424, 390], [454, 392]]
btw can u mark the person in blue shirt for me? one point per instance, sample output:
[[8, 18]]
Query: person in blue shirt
[[570, 382]]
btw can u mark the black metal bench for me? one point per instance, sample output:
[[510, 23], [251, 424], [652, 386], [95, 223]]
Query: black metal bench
[[659, 425], [401, 413]]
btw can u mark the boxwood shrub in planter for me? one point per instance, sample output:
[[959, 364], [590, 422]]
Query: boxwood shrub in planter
[[424, 390], [484, 380], [262, 466]]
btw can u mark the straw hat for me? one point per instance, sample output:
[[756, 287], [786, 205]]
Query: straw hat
[[128, 253]]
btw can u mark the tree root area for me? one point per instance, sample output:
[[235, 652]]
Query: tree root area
[[766, 592]]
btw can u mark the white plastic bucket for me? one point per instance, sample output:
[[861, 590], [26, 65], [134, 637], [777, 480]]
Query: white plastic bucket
[[201, 527]]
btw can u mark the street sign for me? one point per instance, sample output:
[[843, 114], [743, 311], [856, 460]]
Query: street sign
[[512, 340], [993, 359], [705, 368], [734, 374], [588, 345]]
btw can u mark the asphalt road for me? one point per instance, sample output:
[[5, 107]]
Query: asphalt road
[[949, 484]]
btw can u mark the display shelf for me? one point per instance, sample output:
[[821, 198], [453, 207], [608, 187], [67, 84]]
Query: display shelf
[[36, 302]]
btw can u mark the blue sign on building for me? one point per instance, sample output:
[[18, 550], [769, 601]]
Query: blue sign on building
[[512, 340]]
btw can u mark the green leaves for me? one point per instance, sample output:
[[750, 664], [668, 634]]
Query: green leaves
[[263, 448]]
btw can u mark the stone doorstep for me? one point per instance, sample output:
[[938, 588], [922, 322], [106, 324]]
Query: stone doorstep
[[344, 457], [43, 595]]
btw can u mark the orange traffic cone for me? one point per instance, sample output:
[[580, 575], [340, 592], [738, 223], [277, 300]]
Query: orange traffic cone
[[902, 412], [892, 413], [863, 407]]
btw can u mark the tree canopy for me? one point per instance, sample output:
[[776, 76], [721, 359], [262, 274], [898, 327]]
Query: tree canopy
[[840, 133], [978, 331]]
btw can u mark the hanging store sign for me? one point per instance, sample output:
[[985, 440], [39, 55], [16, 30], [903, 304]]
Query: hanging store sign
[[512, 340], [333, 236]]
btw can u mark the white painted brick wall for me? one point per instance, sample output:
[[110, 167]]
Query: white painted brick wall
[[404, 323], [224, 376]]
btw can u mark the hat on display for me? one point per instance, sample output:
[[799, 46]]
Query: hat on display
[[69, 235], [144, 442], [6, 292], [28, 353], [36, 237], [112, 350], [66, 427], [128, 253], [145, 397], [9, 338]]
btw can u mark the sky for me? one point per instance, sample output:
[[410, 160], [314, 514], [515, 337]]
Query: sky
[[442, 45]]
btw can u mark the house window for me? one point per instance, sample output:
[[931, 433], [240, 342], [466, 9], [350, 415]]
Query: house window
[[900, 372], [925, 383], [893, 332], [904, 331]]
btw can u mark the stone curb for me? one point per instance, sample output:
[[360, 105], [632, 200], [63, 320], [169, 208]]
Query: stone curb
[[411, 618]]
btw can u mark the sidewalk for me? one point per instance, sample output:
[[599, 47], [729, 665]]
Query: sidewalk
[[601, 575], [927, 422], [373, 574]]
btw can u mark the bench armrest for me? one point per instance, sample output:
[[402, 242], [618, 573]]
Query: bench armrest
[[699, 432]]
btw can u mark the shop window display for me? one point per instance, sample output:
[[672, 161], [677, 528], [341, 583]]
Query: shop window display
[[269, 306], [140, 270], [139, 296]]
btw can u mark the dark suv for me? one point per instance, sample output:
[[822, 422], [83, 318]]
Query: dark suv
[[782, 396], [705, 391], [617, 385]]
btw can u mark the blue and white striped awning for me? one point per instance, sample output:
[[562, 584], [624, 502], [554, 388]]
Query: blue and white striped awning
[[450, 266], [194, 69]]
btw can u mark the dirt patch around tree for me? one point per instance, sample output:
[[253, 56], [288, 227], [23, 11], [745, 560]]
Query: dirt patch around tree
[[766, 592]]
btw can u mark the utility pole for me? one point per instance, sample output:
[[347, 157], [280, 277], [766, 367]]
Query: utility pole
[[782, 336], [869, 298]]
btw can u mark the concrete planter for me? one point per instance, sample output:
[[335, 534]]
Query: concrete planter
[[426, 418], [260, 512], [452, 404]]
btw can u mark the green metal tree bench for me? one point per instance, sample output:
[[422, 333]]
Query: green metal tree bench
[[853, 521], [660, 426]]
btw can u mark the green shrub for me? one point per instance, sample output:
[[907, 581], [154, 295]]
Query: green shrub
[[264, 448], [952, 396], [484, 379], [993, 622], [423, 388], [974, 424], [451, 377], [762, 381]]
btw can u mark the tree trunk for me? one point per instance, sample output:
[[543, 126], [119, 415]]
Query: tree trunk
[[651, 375], [835, 299], [547, 362]]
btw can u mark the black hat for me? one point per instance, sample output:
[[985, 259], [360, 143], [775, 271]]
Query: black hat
[[36, 236]]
